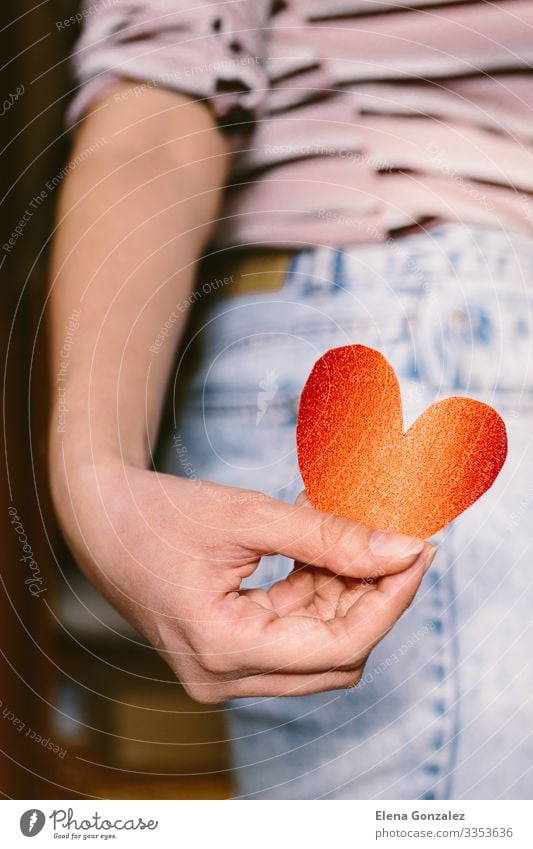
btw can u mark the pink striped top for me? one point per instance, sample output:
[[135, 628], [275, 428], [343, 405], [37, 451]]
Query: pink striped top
[[350, 119]]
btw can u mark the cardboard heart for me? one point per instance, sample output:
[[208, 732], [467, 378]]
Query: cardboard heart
[[356, 461]]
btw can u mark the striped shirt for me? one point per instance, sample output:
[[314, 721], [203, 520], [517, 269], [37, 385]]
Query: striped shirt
[[350, 119]]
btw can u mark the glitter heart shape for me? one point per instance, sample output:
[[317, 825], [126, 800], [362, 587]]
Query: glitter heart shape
[[357, 462]]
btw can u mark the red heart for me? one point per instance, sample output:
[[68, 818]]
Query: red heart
[[356, 461]]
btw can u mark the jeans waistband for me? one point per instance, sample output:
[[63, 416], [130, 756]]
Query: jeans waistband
[[451, 250]]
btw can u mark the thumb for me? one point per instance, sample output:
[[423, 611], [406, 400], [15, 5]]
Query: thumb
[[341, 545]]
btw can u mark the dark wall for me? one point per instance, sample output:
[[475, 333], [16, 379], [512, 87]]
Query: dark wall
[[35, 86]]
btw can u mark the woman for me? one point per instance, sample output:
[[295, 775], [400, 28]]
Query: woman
[[376, 158]]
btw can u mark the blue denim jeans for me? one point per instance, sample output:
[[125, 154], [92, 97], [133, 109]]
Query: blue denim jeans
[[445, 707]]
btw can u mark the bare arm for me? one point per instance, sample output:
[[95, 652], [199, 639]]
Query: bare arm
[[134, 217]]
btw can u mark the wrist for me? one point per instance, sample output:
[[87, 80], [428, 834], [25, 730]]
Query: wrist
[[79, 474], [91, 438]]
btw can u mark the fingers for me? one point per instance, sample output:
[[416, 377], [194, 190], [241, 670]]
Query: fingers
[[340, 545], [381, 609], [295, 644], [213, 692], [298, 685], [260, 654]]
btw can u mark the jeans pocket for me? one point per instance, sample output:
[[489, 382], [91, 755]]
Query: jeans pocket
[[477, 339]]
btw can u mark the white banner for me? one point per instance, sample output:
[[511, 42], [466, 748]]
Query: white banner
[[267, 825]]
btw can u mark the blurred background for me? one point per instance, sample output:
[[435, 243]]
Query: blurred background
[[84, 710]]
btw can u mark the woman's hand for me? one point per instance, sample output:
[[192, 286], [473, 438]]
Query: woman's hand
[[171, 553]]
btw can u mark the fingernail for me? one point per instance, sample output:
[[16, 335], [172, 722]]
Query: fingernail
[[430, 557], [385, 544]]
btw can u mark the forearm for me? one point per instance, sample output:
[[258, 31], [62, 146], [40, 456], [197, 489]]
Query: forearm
[[134, 216]]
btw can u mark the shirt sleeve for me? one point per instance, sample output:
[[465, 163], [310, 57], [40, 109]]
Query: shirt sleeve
[[209, 49]]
